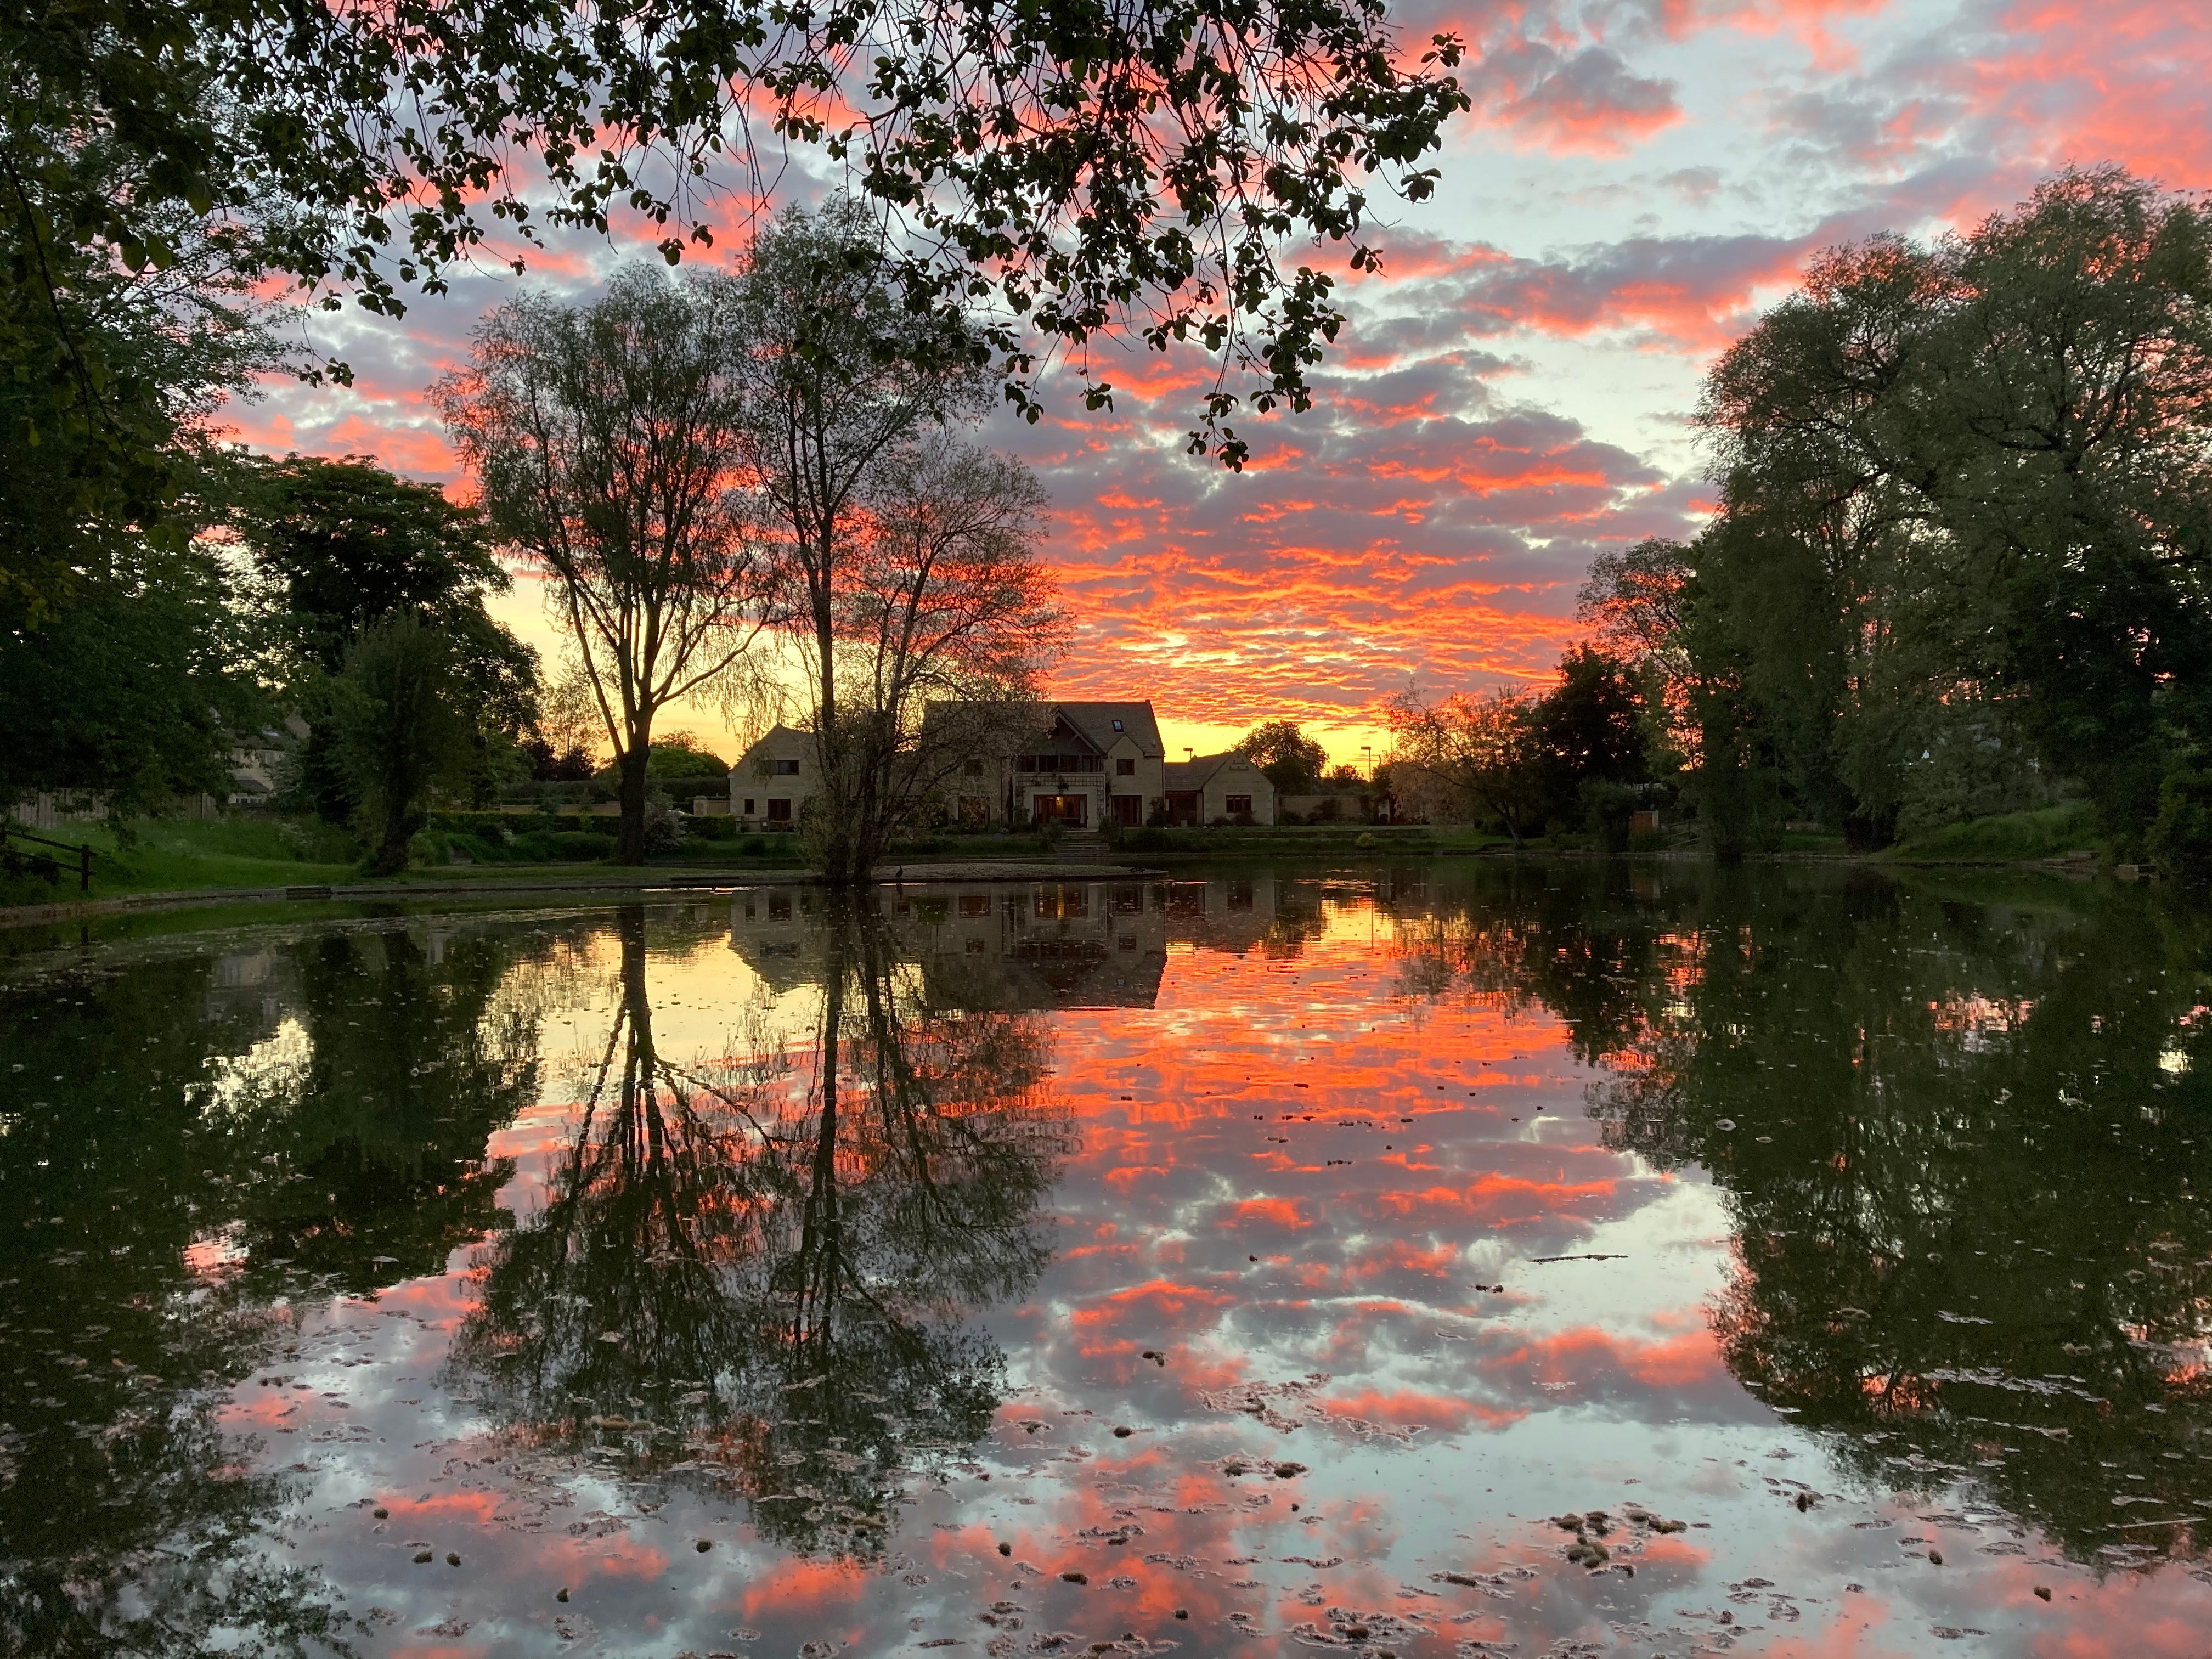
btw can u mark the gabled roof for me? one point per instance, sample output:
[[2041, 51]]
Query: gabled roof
[[1187, 777], [778, 735], [1097, 722]]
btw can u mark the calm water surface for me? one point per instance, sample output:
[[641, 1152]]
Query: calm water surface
[[1446, 1262]]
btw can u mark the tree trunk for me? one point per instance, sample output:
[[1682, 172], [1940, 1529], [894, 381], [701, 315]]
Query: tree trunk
[[399, 828], [630, 839], [835, 835]]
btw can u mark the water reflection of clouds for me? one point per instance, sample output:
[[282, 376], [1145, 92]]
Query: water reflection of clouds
[[1293, 1172]]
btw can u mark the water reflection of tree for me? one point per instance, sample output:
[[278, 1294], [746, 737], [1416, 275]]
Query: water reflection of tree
[[1966, 1148], [180, 1150], [762, 1271]]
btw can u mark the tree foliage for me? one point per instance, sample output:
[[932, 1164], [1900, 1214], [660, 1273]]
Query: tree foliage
[[1070, 171], [1963, 537], [905, 558], [131, 689], [372, 624], [401, 728], [1291, 760], [606, 439], [1529, 761], [120, 659], [1467, 758]]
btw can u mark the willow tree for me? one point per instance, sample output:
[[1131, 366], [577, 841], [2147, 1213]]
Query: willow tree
[[1965, 488], [606, 439]]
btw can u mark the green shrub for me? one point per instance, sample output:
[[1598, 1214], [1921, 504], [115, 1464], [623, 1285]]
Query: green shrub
[[561, 846], [711, 829], [2180, 838]]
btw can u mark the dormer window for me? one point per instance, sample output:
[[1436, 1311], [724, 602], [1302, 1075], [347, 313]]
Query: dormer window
[[1117, 725]]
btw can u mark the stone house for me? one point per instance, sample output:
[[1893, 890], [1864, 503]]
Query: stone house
[[1076, 765], [1214, 789], [772, 781], [1079, 765]]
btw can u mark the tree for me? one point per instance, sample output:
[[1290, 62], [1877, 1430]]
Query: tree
[[1291, 760], [131, 689], [343, 547], [1474, 757], [401, 728], [1588, 734], [1964, 494], [1632, 598], [1071, 174], [680, 754], [119, 658], [945, 621], [606, 440], [345, 544], [566, 733], [906, 567], [114, 358]]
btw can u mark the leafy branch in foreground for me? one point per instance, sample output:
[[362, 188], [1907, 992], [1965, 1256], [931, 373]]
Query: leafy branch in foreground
[[1068, 171]]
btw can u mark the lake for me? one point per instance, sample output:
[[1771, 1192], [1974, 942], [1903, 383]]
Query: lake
[[1463, 1259]]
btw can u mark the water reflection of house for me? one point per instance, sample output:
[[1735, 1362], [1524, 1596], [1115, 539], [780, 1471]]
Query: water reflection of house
[[1059, 945], [1062, 944], [1100, 944]]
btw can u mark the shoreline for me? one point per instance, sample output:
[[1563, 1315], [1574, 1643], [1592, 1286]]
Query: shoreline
[[674, 881], [996, 870]]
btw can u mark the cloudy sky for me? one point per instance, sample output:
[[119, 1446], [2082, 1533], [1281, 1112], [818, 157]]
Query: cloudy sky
[[1637, 178]]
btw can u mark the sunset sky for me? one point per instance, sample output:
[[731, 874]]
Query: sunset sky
[[1637, 178]]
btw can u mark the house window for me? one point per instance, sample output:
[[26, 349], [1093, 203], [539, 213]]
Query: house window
[[779, 812], [787, 769], [975, 904], [749, 807], [1117, 725], [1238, 807], [1125, 767]]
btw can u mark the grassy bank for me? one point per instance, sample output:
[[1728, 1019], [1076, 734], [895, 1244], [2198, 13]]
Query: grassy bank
[[166, 855], [2049, 832], [187, 856]]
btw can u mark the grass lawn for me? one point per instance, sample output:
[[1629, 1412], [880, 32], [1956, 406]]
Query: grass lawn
[[2048, 832], [169, 855], [161, 855]]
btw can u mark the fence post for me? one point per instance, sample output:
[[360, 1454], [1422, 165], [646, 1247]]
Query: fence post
[[84, 867]]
